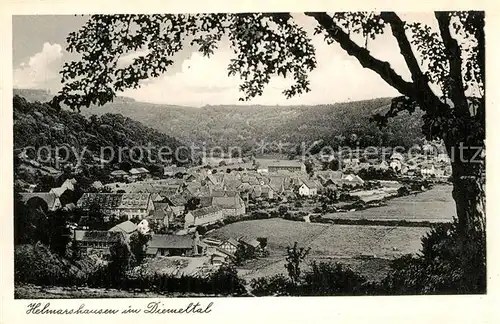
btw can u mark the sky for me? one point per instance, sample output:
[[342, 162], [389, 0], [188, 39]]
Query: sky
[[39, 44]]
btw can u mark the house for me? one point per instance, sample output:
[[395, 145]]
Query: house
[[126, 228], [174, 170], [136, 205], [168, 171], [351, 161], [443, 157], [230, 245], [276, 183], [108, 203], [212, 242], [286, 165], [97, 184], [48, 201], [211, 180], [69, 184], [428, 148], [171, 245], [100, 240], [203, 216], [308, 188], [352, 179], [119, 174], [231, 206], [58, 191], [251, 245], [256, 191], [396, 165], [427, 170], [219, 256], [440, 173], [69, 207], [118, 204], [383, 165], [139, 173], [267, 192], [178, 203], [397, 156], [232, 184], [162, 215]]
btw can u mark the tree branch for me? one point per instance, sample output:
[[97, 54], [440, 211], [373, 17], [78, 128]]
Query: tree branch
[[417, 91], [363, 55], [424, 95], [452, 51], [398, 31]]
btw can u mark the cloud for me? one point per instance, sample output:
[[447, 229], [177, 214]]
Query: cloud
[[338, 76], [202, 80], [40, 69]]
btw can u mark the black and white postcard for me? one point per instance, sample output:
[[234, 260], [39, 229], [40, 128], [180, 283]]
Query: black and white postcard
[[164, 161]]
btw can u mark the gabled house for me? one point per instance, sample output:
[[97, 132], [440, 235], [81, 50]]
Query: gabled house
[[267, 192], [203, 216], [230, 245], [127, 228], [58, 191], [100, 240], [162, 216], [286, 165], [178, 204], [353, 180], [119, 204], [171, 245], [396, 165], [119, 174], [231, 206], [427, 170], [383, 165], [139, 173], [69, 184], [308, 188], [397, 156], [136, 205]]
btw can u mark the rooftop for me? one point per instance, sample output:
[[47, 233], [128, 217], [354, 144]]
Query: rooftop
[[166, 241]]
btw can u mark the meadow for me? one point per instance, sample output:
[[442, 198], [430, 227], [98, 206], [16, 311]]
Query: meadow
[[368, 249], [434, 205]]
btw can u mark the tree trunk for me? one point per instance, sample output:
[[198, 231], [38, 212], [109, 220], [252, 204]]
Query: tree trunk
[[469, 191]]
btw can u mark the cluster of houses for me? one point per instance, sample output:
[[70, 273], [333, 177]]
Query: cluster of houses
[[438, 165], [166, 245]]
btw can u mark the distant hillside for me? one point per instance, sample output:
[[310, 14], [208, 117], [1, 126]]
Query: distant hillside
[[247, 126], [37, 124], [33, 95]]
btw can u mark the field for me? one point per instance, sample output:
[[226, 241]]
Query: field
[[344, 243], [435, 205]]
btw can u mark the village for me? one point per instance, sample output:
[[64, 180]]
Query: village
[[181, 207]]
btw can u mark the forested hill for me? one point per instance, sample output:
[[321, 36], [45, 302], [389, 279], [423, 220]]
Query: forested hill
[[248, 125], [37, 124]]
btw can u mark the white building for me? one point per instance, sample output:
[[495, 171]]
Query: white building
[[308, 188], [203, 216]]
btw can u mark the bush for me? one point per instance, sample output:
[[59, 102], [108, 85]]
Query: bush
[[443, 267], [277, 285], [36, 264], [328, 279]]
